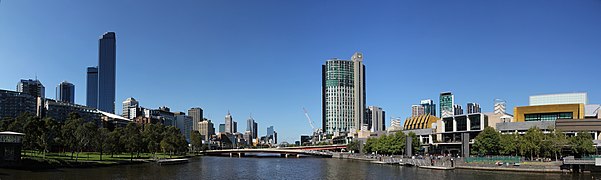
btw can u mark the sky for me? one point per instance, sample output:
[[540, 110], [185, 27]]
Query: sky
[[263, 58]]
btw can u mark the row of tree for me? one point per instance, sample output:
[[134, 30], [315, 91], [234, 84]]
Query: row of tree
[[391, 144], [534, 143], [77, 135]]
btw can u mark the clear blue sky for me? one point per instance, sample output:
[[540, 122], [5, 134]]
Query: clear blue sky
[[264, 57]]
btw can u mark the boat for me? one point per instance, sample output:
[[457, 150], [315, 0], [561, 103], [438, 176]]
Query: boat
[[172, 161]]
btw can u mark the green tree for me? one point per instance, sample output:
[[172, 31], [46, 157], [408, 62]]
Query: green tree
[[582, 144], [132, 139], [51, 135], [559, 140], [113, 144], [68, 132], [532, 141], [487, 142], [353, 146], [152, 135], [35, 128], [85, 136], [102, 136], [509, 144]]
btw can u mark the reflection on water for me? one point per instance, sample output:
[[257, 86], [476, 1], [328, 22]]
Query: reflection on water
[[276, 168]]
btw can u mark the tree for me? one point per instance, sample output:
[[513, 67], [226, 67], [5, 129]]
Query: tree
[[353, 146], [559, 141], [415, 143], [68, 131], [152, 136], [196, 140], [113, 144], [34, 128], [532, 141], [487, 142], [85, 136], [50, 136], [102, 136], [132, 139], [509, 144], [582, 144]]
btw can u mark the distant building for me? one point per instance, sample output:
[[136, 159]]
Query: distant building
[[222, 128], [457, 110], [420, 122], [13, 104], [229, 123], [375, 118], [343, 94], [197, 117], [248, 137], [271, 135], [184, 123], [473, 108], [234, 127], [102, 78], [449, 129], [429, 106], [252, 126], [305, 140], [395, 124], [417, 110], [65, 92], [564, 98], [447, 100], [31, 87], [60, 111], [500, 106], [130, 106], [549, 112], [206, 129], [92, 87]]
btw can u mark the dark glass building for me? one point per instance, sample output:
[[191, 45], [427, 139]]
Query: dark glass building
[[92, 88], [65, 92], [101, 79]]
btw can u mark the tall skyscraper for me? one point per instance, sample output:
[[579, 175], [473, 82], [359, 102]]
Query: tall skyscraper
[[417, 110], [343, 94], [457, 110], [229, 124], [65, 92], [101, 79], [500, 106], [196, 114], [106, 72], [473, 108], [429, 106], [251, 126], [270, 135], [222, 128], [128, 105], [32, 87], [206, 129], [92, 87], [447, 100], [376, 116]]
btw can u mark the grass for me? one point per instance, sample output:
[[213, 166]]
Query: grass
[[95, 156]]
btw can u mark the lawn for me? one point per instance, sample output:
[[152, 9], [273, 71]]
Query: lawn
[[95, 156]]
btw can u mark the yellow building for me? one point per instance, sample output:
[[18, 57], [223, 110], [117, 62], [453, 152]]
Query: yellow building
[[420, 122], [548, 112]]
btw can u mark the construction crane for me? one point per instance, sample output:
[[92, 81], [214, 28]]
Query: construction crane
[[309, 119]]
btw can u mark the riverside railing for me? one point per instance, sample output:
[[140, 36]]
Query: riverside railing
[[493, 159]]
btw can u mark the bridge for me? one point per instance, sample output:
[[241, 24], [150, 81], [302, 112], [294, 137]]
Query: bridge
[[319, 147], [281, 151]]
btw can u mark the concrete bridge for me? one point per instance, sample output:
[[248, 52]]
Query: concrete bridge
[[282, 152], [319, 147]]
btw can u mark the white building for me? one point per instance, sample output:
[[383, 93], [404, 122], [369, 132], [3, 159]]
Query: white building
[[564, 98]]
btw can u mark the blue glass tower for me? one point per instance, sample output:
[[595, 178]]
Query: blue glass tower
[[104, 97]]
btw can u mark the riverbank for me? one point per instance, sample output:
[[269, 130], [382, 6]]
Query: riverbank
[[537, 167]]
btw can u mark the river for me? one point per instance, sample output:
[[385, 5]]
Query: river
[[275, 168]]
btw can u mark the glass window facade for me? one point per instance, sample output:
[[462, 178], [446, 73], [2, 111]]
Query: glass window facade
[[566, 98], [448, 124], [548, 116], [461, 123], [475, 122]]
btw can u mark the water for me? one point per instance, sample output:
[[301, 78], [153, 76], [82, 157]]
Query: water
[[275, 168]]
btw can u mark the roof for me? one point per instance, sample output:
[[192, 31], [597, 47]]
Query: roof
[[113, 116], [11, 133], [512, 126], [591, 109]]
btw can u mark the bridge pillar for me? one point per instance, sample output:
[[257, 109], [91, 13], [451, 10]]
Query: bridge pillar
[[239, 155], [231, 154], [297, 155], [287, 155]]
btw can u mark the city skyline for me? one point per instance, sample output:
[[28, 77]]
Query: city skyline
[[450, 38]]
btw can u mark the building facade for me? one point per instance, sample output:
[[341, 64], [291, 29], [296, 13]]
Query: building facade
[[252, 127], [130, 106], [417, 110], [101, 79], [197, 116], [473, 108], [65, 92], [564, 98], [13, 104], [457, 110], [500, 106], [60, 111], [343, 94], [92, 87], [375, 117], [184, 123], [229, 123], [548, 112], [420, 122], [32, 87], [429, 106], [447, 100]]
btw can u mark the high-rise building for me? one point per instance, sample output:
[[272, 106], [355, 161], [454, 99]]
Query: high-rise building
[[473, 108], [92, 87], [500, 106], [417, 110], [196, 114], [128, 104], [447, 100], [222, 128], [376, 116], [429, 106], [229, 123], [206, 129], [65, 92], [184, 123], [13, 104], [564, 98], [252, 126], [234, 127], [31, 87], [101, 79], [457, 110], [343, 94], [269, 131]]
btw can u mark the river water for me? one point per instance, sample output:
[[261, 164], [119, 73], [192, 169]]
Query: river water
[[275, 168]]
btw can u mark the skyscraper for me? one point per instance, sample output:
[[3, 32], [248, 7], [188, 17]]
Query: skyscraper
[[429, 106], [417, 110], [196, 114], [206, 129], [229, 124], [457, 109], [31, 87], [500, 106], [343, 94], [251, 126], [447, 100], [376, 116], [92, 87], [473, 108], [128, 104], [65, 92], [106, 72]]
